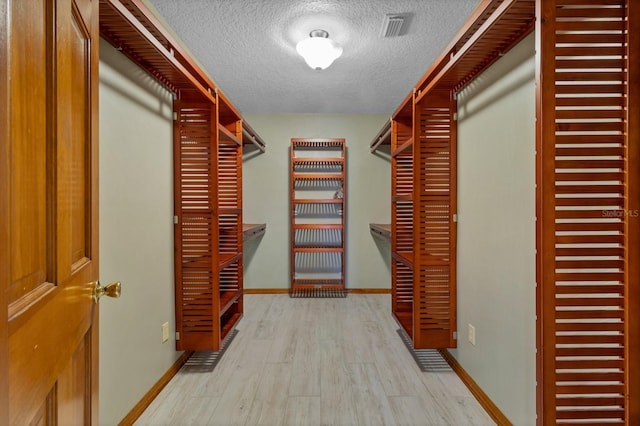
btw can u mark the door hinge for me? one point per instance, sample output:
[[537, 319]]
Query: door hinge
[[177, 335], [455, 217], [175, 219]]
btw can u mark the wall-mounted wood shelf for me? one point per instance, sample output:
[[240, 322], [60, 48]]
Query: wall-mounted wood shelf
[[380, 230], [253, 230], [383, 137], [250, 137]]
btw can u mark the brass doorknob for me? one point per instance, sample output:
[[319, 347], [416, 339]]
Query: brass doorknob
[[110, 290]]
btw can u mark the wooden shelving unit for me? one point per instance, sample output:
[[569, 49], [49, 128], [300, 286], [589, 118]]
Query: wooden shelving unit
[[402, 215], [317, 213], [587, 125], [209, 136]]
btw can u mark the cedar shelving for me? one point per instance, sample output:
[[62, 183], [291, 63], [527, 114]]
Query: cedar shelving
[[208, 200], [317, 213], [209, 135], [588, 81], [381, 230], [250, 137], [402, 215], [253, 230], [383, 137]]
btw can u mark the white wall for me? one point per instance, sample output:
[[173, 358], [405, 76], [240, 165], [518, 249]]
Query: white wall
[[266, 197], [496, 232], [136, 233]]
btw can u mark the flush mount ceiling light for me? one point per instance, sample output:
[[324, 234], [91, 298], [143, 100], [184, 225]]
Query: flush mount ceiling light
[[318, 50]]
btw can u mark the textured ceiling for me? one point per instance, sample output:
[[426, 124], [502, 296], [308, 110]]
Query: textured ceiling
[[248, 48]]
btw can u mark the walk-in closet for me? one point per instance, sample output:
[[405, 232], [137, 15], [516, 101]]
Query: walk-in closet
[[446, 232]]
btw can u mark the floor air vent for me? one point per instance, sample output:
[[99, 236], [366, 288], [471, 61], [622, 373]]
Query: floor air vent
[[318, 293], [206, 361], [428, 360]]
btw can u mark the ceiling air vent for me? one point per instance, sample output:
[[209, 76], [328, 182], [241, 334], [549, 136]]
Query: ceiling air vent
[[392, 25]]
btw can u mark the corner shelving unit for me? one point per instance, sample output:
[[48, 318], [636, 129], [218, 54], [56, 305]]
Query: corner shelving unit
[[317, 214]]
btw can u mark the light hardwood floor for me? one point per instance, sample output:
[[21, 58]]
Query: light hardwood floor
[[315, 362]]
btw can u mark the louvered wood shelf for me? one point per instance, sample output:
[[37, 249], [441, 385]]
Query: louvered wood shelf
[[405, 320], [304, 283], [227, 299], [317, 176], [317, 166], [322, 160], [253, 230], [402, 197], [405, 257], [318, 249], [404, 148], [227, 259], [318, 201], [229, 323], [228, 137], [380, 230]]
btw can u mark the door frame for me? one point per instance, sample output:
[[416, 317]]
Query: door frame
[[4, 229]]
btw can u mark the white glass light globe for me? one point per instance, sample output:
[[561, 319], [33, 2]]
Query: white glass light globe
[[318, 50]]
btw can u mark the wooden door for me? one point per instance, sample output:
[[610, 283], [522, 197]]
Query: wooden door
[[48, 205]]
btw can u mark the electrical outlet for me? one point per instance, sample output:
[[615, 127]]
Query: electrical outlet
[[165, 332], [472, 335]]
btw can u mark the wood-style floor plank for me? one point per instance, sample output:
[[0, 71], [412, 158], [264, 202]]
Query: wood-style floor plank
[[299, 362]]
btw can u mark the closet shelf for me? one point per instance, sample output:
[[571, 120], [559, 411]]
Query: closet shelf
[[482, 40], [227, 299], [405, 257], [406, 146], [253, 230], [380, 230], [227, 136], [317, 249], [229, 323], [249, 136], [318, 200], [404, 197], [317, 226], [382, 138], [318, 283], [229, 211], [133, 29], [316, 176], [227, 259], [318, 160]]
